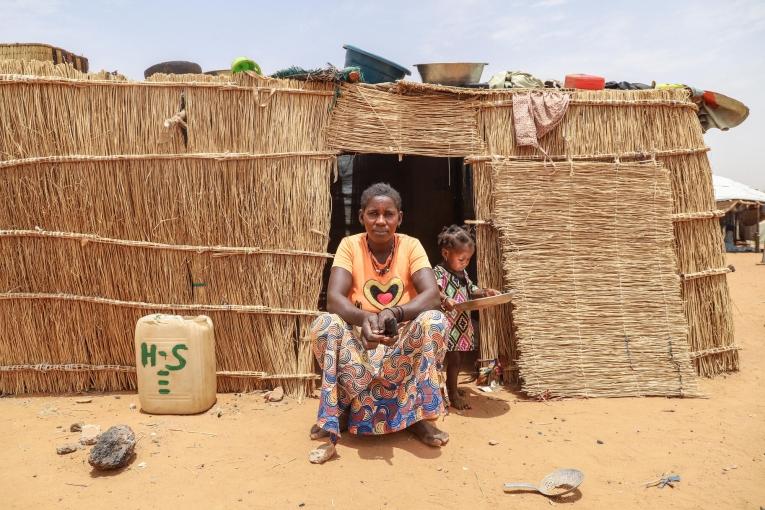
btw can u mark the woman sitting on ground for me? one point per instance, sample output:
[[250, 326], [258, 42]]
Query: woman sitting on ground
[[376, 381]]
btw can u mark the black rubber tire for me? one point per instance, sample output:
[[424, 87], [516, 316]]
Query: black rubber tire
[[173, 67]]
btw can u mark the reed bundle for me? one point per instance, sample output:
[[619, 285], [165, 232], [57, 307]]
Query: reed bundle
[[632, 125], [588, 246], [253, 79], [43, 52], [369, 119], [47, 68], [189, 78], [32, 51]]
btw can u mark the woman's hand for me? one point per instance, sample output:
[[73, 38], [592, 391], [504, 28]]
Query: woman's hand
[[372, 330], [491, 292]]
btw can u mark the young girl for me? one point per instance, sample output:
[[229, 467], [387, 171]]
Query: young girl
[[457, 247]]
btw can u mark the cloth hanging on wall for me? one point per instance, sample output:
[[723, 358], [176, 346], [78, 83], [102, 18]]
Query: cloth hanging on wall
[[536, 113]]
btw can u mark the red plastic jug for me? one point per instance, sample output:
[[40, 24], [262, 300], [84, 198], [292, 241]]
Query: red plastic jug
[[584, 81]]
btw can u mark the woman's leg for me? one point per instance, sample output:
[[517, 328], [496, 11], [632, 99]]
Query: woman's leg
[[413, 367], [345, 372]]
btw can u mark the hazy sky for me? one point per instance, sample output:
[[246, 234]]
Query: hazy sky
[[716, 46]]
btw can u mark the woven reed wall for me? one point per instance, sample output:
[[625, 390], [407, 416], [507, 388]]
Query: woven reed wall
[[588, 246], [105, 118], [107, 215], [372, 119], [204, 200], [606, 125], [497, 328]]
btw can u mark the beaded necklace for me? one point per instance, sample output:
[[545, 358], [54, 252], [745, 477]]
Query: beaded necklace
[[383, 269]]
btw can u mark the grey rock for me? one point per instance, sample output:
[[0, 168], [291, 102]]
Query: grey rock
[[75, 427], [67, 448], [113, 449]]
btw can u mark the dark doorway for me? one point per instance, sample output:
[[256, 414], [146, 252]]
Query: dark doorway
[[436, 192]]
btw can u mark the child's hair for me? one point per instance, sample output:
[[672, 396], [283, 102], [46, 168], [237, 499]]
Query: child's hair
[[454, 236], [380, 189]]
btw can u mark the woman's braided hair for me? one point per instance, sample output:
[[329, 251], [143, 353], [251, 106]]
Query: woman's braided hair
[[454, 236]]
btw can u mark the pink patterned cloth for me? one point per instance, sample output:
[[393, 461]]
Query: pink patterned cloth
[[536, 113]]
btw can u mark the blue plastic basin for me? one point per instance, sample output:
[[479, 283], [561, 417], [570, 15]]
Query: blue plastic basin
[[375, 69]]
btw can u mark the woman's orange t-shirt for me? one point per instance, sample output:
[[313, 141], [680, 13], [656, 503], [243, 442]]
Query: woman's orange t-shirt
[[370, 291]]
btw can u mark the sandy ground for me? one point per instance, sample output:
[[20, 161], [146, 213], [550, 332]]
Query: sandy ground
[[255, 454]]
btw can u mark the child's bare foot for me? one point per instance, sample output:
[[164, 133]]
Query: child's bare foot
[[457, 400], [429, 434]]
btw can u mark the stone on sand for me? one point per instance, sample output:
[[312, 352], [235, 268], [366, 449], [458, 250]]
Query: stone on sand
[[113, 449], [322, 454], [276, 395], [89, 434], [67, 448]]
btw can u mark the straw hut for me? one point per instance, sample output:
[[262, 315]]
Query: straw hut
[[654, 125], [744, 214], [222, 196]]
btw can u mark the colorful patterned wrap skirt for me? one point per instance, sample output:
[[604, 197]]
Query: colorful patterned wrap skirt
[[383, 390]]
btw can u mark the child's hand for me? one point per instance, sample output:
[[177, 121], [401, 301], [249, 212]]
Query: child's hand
[[448, 304]]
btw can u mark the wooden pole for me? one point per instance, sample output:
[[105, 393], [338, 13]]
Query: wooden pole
[[757, 231], [757, 236]]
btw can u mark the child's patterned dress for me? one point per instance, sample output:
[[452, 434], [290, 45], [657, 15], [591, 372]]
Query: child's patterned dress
[[459, 327]]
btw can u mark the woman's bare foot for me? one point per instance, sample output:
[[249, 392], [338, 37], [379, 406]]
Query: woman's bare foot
[[457, 400], [429, 433], [319, 433]]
